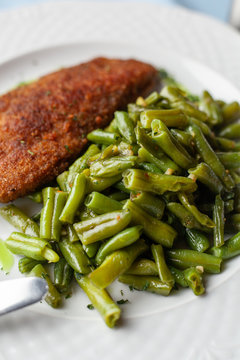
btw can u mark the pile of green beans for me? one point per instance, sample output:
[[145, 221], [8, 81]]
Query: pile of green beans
[[149, 203]]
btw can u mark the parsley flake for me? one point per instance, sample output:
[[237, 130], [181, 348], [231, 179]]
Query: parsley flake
[[90, 306], [30, 152], [67, 148], [122, 302], [146, 286]]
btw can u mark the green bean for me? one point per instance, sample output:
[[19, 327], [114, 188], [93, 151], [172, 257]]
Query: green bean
[[53, 298], [209, 156], [100, 300], [47, 213], [116, 264], [139, 180], [102, 226], [230, 249], [149, 167], [36, 197], [186, 218], [36, 217], [193, 277], [59, 202], [165, 274], [151, 204], [101, 204], [218, 217], [118, 196], [134, 111], [231, 160], [207, 176], [155, 229], [146, 283], [113, 166], [227, 144], [205, 129], [119, 241], [235, 176], [25, 264], [184, 258], [233, 223], [125, 126], [151, 152], [91, 249], [63, 274], [120, 186], [19, 220], [231, 131], [237, 199], [152, 98], [143, 267], [170, 145], [171, 118], [75, 256], [183, 138], [231, 112], [81, 163], [103, 137], [203, 219], [32, 247], [62, 181], [74, 200], [99, 184], [178, 276], [71, 233], [211, 108], [197, 240], [229, 206]]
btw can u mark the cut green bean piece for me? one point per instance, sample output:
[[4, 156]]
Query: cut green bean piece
[[19, 220], [119, 196], [178, 276], [209, 156], [103, 137], [231, 112], [75, 256], [231, 131], [194, 279], [102, 226], [81, 163], [36, 197], [139, 180], [152, 152], [203, 219], [101, 300], [116, 264], [227, 144], [231, 160], [100, 184], [91, 249], [171, 118], [74, 200], [170, 145], [32, 247], [230, 249], [165, 274], [211, 108], [59, 202], [197, 240], [149, 167], [53, 298], [152, 98], [153, 205], [218, 217], [143, 267], [119, 241], [207, 176], [113, 166], [184, 258], [63, 275], [146, 283], [25, 264], [47, 213], [62, 181], [101, 204], [125, 126], [71, 233], [155, 229], [183, 138]]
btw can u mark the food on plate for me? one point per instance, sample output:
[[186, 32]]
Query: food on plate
[[154, 202], [43, 125]]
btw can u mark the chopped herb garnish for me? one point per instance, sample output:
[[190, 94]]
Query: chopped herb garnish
[[131, 288], [30, 152], [122, 302], [75, 118], [22, 141], [67, 148], [121, 292], [146, 286], [47, 93], [90, 306], [68, 296]]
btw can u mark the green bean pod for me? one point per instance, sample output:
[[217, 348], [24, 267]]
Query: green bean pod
[[74, 200], [207, 176], [211, 108], [149, 167], [81, 163], [19, 220], [179, 277], [91, 249], [144, 267], [218, 217], [103, 137], [59, 202], [53, 298], [116, 264], [102, 226], [151, 204], [184, 258], [194, 279], [75, 256], [71, 233], [165, 274], [36, 197], [227, 144], [101, 183], [171, 118], [119, 241], [101, 300], [101, 204], [62, 181], [146, 283], [118, 196], [155, 229], [113, 166], [25, 264], [231, 131], [63, 275], [231, 112], [47, 213], [230, 249], [139, 180], [197, 240], [125, 126], [183, 138], [32, 247], [231, 160]]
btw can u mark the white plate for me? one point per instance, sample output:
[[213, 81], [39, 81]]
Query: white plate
[[194, 75], [191, 331]]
